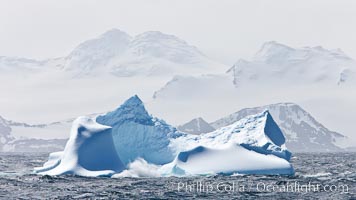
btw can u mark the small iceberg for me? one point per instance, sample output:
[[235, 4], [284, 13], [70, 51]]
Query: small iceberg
[[131, 142]]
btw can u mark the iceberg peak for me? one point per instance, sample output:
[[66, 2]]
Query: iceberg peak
[[266, 112], [133, 110], [133, 101]]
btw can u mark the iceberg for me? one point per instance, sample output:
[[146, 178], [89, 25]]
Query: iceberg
[[90, 151], [130, 142]]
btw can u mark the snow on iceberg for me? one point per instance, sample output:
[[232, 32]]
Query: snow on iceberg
[[228, 160], [252, 145], [90, 151], [130, 142], [259, 133]]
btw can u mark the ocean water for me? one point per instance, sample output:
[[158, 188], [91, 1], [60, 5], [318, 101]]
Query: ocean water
[[318, 176]]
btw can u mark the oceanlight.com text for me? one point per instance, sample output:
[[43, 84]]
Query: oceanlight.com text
[[236, 186]]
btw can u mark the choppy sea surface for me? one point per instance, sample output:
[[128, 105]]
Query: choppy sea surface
[[318, 176]]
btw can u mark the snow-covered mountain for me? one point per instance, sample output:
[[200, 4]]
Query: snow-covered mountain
[[196, 126], [112, 66], [34, 145], [319, 79], [151, 53], [5, 132], [303, 132], [13, 64], [95, 54], [274, 66], [116, 53], [40, 131], [193, 86], [18, 68], [18, 137], [329, 74], [277, 63]]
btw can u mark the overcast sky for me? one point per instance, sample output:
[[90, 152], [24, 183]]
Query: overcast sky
[[223, 29]]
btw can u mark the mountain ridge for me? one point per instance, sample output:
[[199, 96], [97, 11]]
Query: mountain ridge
[[115, 52], [277, 63], [196, 126]]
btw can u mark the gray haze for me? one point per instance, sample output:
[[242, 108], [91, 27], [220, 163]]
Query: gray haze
[[224, 30]]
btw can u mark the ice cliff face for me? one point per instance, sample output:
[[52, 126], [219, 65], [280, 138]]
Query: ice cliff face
[[138, 135], [303, 132]]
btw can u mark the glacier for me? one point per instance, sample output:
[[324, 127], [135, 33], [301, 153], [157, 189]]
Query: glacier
[[130, 142]]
